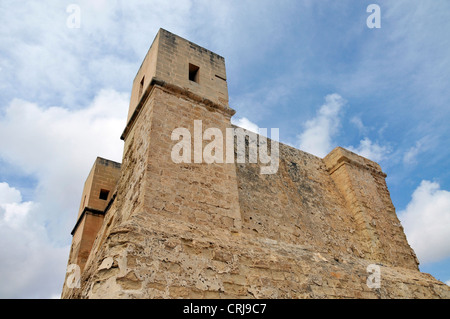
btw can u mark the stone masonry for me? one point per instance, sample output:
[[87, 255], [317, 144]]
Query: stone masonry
[[314, 229]]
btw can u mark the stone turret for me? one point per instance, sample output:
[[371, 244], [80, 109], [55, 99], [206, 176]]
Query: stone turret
[[97, 193]]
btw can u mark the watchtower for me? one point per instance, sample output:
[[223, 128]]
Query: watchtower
[[223, 230], [178, 83], [181, 63]]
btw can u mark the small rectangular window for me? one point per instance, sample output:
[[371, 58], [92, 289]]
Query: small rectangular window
[[104, 194], [193, 73]]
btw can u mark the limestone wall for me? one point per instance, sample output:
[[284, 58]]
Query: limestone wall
[[307, 203], [151, 256], [226, 231]]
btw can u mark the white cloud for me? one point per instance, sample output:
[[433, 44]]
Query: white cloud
[[410, 156], [317, 136], [39, 49], [413, 40], [370, 150], [57, 147], [245, 123], [426, 221], [12, 211], [422, 145], [9, 195], [30, 263], [356, 120], [15, 213]]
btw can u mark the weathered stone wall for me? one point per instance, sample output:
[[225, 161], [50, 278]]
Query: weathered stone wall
[[151, 256], [297, 239], [362, 184], [306, 203], [195, 192]]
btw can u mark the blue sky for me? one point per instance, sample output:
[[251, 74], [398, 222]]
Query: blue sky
[[313, 69]]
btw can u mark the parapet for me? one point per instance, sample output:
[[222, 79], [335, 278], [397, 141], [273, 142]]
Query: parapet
[[362, 184], [340, 156]]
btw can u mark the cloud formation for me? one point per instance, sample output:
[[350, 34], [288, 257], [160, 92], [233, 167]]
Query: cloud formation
[[426, 221], [410, 157], [58, 147], [30, 262], [39, 49], [370, 150], [317, 138], [12, 210]]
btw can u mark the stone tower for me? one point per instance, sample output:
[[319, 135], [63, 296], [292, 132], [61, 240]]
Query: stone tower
[[97, 193], [168, 229]]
